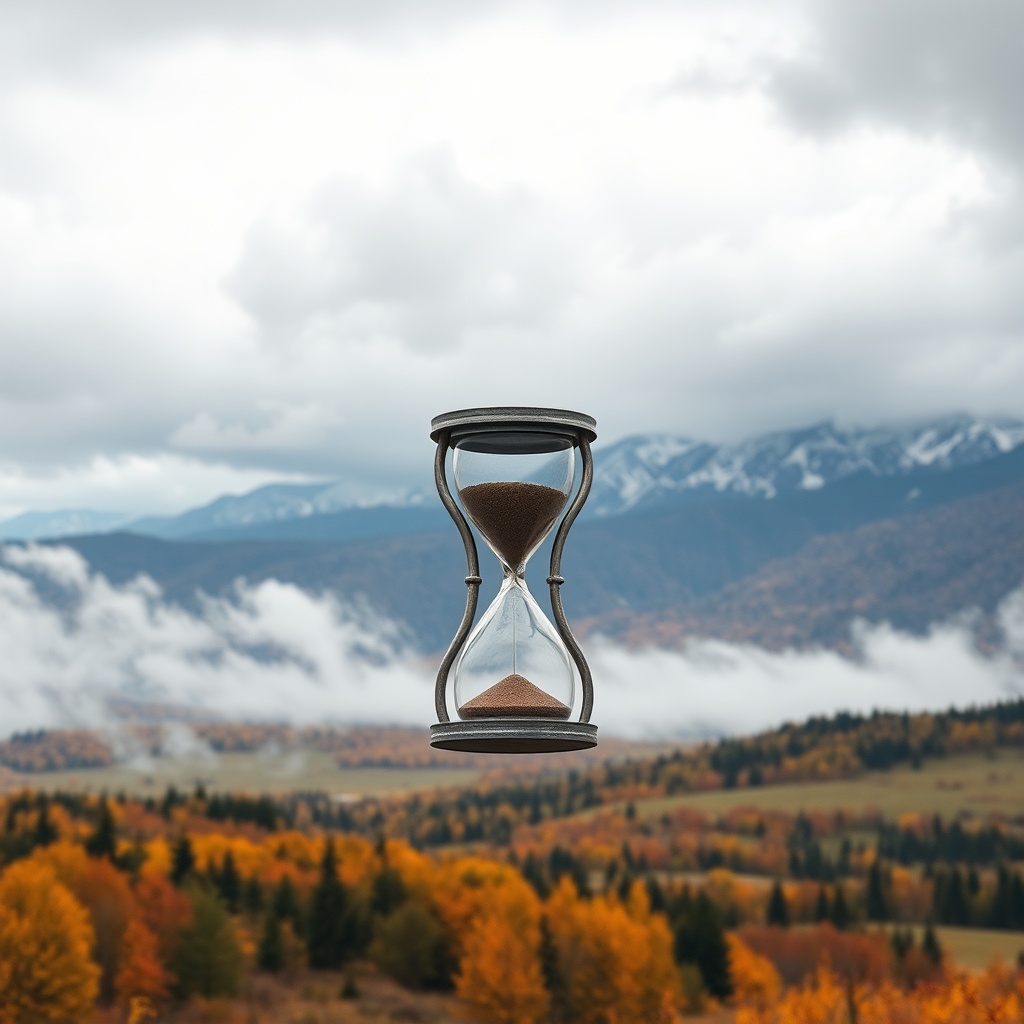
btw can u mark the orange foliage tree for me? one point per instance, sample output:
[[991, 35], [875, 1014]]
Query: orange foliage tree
[[994, 998], [46, 973], [614, 960], [141, 974], [500, 973]]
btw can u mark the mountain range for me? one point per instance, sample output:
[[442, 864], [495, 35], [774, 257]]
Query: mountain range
[[639, 472], [782, 540]]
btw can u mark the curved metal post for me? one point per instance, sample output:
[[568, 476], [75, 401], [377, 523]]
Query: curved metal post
[[555, 581], [473, 580]]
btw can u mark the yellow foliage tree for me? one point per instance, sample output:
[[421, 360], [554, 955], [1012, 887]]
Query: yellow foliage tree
[[755, 980], [45, 938], [615, 962], [500, 973]]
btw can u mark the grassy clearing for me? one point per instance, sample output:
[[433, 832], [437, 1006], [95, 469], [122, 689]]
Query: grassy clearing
[[280, 772], [979, 784], [975, 948]]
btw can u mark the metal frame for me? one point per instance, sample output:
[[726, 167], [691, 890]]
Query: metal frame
[[513, 735]]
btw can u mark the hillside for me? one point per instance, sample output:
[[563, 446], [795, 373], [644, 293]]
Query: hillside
[[794, 571], [910, 571]]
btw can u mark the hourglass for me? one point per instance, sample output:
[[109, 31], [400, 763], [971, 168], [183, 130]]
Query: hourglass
[[513, 678]]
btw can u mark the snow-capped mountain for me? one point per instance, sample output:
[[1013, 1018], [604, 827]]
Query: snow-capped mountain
[[63, 523], [273, 503], [634, 473], [660, 469]]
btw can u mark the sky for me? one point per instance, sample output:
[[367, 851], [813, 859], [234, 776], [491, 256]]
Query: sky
[[244, 242]]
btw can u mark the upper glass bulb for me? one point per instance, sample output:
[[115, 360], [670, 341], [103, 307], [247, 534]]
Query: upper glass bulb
[[513, 487]]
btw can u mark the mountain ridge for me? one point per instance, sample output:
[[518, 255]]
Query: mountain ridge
[[635, 472]]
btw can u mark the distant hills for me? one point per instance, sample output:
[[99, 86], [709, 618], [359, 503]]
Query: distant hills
[[782, 540]]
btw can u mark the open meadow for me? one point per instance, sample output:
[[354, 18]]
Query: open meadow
[[977, 784], [273, 772]]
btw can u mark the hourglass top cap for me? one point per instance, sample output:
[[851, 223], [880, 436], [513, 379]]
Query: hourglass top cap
[[514, 428]]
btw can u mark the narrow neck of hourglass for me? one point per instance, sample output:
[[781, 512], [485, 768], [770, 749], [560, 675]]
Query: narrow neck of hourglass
[[512, 576]]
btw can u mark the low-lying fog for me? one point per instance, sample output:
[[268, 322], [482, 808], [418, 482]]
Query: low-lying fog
[[69, 639]]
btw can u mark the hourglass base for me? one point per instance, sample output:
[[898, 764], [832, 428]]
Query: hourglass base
[[513, 736]]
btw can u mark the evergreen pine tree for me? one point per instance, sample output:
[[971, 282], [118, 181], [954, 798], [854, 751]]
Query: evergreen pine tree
[[700, 939], [902, 941], [270, 951], [285, 904], [103, 840], [1016, 913], [230, 883], [778, 909], [388, 891], [329, 933], [44, 833], [821, 909], [955, 907], [252, 896], [183, 860], [999, 912], [930, 945], [839, 914], [874, 899], [656, 895], [554, 981]]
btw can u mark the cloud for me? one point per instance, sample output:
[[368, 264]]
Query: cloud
[[714, 688], [71, 640], [424, 261], [260, 239], [929, 66]]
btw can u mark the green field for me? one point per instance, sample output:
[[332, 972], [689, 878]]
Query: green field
[[289, 771], [978, 784]]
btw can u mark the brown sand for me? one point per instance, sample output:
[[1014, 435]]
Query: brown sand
[[513, 516], [515, 696]]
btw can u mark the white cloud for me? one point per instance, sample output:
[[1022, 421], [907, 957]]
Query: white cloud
[[272, 653], [71, 640]]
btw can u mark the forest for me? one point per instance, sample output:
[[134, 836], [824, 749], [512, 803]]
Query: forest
[[598, 895]]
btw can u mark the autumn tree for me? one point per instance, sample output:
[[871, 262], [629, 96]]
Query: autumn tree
[[164, 910], [141, 975], [755, 980], [46, 973], [614, 959], [500, 973], [106, 894]]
